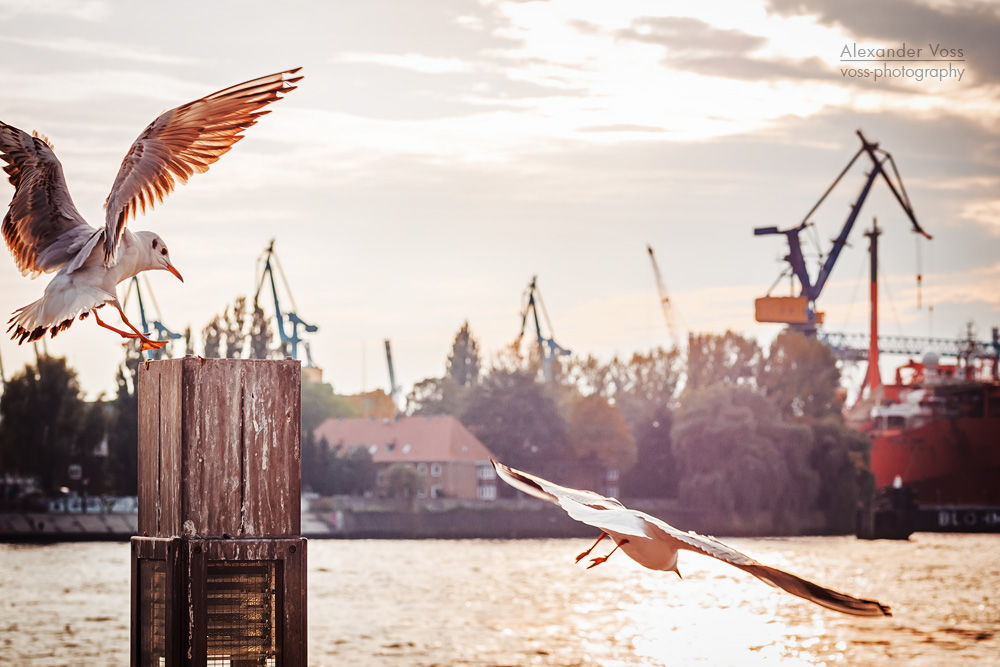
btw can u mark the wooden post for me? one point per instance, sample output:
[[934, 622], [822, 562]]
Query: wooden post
[[218, 574]]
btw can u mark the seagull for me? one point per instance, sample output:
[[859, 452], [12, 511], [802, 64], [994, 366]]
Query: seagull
[[45, 233], [654, 544]]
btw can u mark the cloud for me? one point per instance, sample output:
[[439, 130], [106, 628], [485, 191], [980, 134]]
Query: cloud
[[984, 212], [689, 35], [696, 46], [622, 127], [415, 62], [77, 46], [755, 69], [82, 10], [972, 27]]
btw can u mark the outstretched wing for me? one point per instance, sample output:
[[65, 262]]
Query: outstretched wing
[[553, 493], [183, 141], [803, 588], [42, 227], [610, 515]]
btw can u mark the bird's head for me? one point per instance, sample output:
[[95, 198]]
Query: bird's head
[[157, 256]]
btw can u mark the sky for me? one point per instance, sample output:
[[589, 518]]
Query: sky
[[439, 155]]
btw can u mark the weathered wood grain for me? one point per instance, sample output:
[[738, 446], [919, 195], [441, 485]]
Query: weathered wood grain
[[219, 448]]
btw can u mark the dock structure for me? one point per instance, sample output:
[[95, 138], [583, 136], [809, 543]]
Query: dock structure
[[219, 564]]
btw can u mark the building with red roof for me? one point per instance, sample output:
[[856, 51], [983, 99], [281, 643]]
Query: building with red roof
[[451, 462]]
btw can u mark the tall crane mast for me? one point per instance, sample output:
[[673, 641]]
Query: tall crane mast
[[162, 332], [393, 387], [800, 312], [289, 342], [548, 347], [664, 298]]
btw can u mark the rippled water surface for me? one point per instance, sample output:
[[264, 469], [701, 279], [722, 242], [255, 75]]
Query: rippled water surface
[[503, 603]]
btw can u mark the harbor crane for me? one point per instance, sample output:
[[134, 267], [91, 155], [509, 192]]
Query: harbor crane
[[547, 347], [393, 387], [162, 332], [668, 314], [289, 341], [799, 313]]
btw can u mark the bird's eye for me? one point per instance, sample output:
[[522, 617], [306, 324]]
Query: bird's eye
[[163, 252]]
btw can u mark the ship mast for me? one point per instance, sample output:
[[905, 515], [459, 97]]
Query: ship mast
[[873, 379]]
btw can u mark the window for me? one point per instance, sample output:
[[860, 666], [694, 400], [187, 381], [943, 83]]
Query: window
[[407, 447], [390, 448], [422, 468], [611, 474], [486, 493], [373, 449], [435, 491], [435, 470], [611, 491], [486, 472]]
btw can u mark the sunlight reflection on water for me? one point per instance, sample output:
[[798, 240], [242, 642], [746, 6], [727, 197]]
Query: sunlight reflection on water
[[487, 603]]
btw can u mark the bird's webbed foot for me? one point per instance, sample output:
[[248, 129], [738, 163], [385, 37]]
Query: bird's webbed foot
[[148, 344]]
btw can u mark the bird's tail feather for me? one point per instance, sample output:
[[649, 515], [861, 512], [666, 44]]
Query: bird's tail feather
[[54, 312]]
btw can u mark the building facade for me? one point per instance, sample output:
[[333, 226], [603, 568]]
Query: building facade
[[450, 462]]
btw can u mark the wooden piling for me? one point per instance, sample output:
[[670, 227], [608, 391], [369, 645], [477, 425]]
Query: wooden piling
[[219, 515]]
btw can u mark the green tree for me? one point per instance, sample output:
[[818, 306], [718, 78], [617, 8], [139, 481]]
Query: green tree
[[437, 396], [354, 471], [231, 335], [402, 481], [646, 384], [463, 362], [212, 335], [44, 421], [261, 337], [655, 474], [319, 403], [189, 342], [448, 395], [589, 376], [842, 458], [740, 460], [801, 377], [721, 359], [315, 463], [597, 432], [516, 418], [234, 322], [123, 427]]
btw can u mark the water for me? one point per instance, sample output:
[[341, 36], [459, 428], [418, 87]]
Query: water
[[488, 603]]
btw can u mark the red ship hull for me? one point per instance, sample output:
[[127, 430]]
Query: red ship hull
[[950, 461]]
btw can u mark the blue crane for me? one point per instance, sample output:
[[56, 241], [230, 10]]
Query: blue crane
[[548, 347], [162, 332], [801, 313], [289, 342]]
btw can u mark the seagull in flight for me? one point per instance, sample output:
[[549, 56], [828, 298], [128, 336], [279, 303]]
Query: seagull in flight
[[45, 233], [654, 544]]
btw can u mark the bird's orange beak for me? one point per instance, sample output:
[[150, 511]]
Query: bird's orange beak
[[171, 269]]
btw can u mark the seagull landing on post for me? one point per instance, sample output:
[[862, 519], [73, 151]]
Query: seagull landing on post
[[654, 544], [46, 233]]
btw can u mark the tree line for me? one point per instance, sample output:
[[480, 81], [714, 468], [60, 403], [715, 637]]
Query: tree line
[[748, 433]]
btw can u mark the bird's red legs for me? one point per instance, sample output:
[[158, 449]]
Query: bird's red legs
[[601, 559], [147, 344], [587, 552]]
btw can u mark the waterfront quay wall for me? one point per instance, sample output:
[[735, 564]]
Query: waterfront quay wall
[[358, 519]]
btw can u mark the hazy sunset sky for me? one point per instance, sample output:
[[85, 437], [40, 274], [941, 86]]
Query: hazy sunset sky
[[438, 154]]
